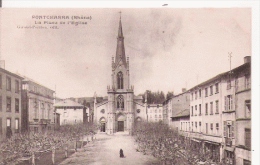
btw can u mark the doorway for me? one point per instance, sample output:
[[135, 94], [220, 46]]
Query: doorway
[[103, 127], [120, 126]]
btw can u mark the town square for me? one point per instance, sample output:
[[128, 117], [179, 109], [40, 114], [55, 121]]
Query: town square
[[141, 86]]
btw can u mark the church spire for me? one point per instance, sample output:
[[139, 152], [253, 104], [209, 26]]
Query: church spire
[[120, 30], [120, 50]]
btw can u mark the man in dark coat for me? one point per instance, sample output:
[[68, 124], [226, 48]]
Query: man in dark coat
[[121, 153]]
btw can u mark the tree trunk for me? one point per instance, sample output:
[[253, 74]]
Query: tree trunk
[[33, 158], [75, 145], [66, 151], [82, 140], [53, 155]]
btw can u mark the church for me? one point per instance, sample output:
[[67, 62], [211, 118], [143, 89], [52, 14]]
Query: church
[[121, 109]]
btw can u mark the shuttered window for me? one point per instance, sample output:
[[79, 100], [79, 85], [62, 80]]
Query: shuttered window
[[206, 109], [232, 129], [206, 128], [225, 128], [211, 108], [1, 106], [1, 126], [8, 104], [0, 81], [229, 129], [8, 83], [228, 103], [248, 138]]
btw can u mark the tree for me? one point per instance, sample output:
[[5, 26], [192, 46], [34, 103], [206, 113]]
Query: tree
[[169, 95], [153, 97], [31, 145], [164, 143]]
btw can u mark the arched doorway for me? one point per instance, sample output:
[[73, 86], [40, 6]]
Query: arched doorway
[[120, 123], [102, 124]]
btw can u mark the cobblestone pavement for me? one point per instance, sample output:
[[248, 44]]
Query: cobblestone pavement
[[105, 151]]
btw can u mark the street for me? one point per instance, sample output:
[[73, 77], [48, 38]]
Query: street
[[105, 151]]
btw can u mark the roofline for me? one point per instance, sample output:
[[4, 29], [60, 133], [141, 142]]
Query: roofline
[[142, 104], [187, 91], [102, 103], [13, 74], [219, 76], [27, 79], [68, 106]]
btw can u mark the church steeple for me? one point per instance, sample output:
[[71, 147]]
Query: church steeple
[[120, 50]]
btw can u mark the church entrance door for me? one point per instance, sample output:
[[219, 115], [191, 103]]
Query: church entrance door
[[120, 126], [103, 127]]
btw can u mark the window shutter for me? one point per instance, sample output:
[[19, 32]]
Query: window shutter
[[233, 129], [1, 102], [225, 129], [225, 99], [231, 103], [1, 125], [248, 138]]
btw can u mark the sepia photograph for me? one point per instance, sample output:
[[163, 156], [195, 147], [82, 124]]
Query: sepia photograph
[[133, 86]]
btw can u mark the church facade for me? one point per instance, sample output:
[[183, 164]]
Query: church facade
[[121, 108]]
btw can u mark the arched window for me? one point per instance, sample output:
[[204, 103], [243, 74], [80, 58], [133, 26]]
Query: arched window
[[120, 102], [120, 80]]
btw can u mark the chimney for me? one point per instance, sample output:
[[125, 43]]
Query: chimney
[[183, 90], [2, 64], [247, 59]]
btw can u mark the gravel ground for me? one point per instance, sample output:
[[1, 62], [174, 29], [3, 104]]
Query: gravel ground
[[105, 151]]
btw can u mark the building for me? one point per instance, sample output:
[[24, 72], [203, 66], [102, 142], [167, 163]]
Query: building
[[70, 112], [206, 107], [167, 105], [242, 76], [37, 106], [177, 106], [155, 112], [121, 108], [88, 102], [218, 118], [181, 122], [10, 103]]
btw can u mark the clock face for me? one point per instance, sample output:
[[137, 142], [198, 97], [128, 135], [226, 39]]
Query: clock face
[[138, 110], [102, 111]]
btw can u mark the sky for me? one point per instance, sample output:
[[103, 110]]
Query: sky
[[168, 49]]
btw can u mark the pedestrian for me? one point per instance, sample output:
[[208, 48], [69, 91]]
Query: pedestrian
[[121, 153]]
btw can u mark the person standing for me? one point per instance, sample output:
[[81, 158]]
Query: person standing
[[121, 153]]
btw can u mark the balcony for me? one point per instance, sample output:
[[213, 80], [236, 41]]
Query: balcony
[[228, 141]]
